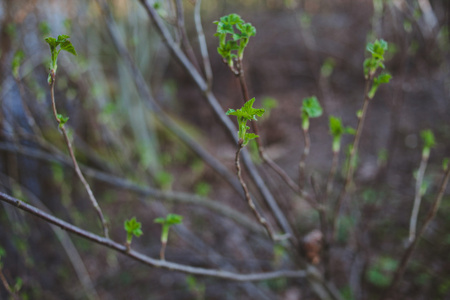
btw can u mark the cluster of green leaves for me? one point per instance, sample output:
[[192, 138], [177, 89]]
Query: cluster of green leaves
[[310, 109], [374, 63], [233, 48], [337, 130], [133, 228], [62, 120], [56, 46], [167, 222], [245, 114], [428, 142]]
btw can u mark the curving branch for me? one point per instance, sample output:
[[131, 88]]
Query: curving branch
[[144, 258]]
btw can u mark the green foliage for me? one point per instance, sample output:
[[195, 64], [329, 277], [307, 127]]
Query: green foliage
[[377, 81], [167, 222], [195, 287], [327, 67], [2, 254], [428, 142], [445, 163], [56, 46], [16, 62], [233, 48], [381, 271], [269, 103], [337, 130], [164, 179], [377, 50], [203, 189], [44, 28], [62, 120], [310, 109], [133, 228], [244, 114]]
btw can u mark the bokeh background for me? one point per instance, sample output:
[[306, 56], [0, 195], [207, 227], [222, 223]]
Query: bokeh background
[[302, 48]]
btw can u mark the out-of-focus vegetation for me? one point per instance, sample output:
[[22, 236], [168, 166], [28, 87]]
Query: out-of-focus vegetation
[[134, 161]]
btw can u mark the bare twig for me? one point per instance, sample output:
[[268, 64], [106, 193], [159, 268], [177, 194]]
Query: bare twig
[[417, 198], [250, 202], [301, 164], [144, 258], [398, 275], [7, 286], [74, 160], [203, 45]]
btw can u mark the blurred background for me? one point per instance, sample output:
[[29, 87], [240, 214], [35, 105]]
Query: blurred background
[[133, 160]]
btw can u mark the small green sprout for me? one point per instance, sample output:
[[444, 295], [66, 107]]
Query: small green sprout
[[445, 164], [16, 62], [133, 228], [377, 81], [337, 130], [233, 48], [310, 109], [167, 222], [62, 120], [64, 44], [428, 142], [372, 64], [244, 114]]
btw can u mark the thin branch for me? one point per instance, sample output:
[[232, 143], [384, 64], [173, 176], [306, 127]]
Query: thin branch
[[74, 160], [142, 258], [7, 286], [417, 198], [203, 45], [398, 275], [301, 164], [332, 174], [250, 202]]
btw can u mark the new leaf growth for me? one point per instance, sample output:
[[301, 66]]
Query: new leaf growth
[[167, 222], [56, 46], [233, 48], [133, 228], [310, 109], [428, 142], [337, 130], [244, 114]]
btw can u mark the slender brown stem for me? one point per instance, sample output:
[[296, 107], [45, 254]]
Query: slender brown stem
[[162, 251], [354, 150], [144, 258], [301, 164], [417, 198], [74, 160], [7, 286], [250, 202], [330, 179], [398, 275], [202, 43]]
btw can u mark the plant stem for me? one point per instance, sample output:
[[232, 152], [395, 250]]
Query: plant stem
[[417, 198], [301, 164], [162, 251], [330, 179], [412, 245], [146, 259], [7, 286], [202, 43], [349, 176], [74, 161], [250, 202]]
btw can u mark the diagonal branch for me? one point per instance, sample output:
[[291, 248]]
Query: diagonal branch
[[142, 258]]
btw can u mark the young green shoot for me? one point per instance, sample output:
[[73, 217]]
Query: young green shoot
[[337, 130], [234, 35], [56, 46], [167, 222], [310, 109], [428, 143], [245, 114], [133, 228]]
